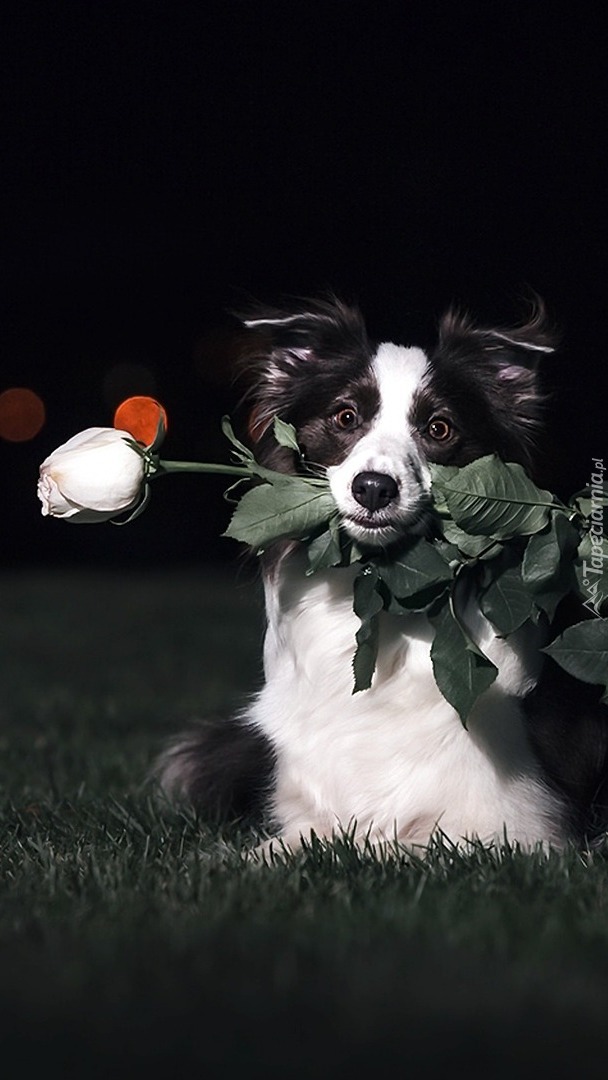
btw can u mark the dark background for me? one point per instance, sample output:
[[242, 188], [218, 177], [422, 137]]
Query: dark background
[[166, 161]]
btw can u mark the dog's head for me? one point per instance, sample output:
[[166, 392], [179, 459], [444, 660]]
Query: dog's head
[[374, 416]]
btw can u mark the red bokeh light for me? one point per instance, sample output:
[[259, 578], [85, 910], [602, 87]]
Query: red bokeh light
[[22, 414], [140, 416]]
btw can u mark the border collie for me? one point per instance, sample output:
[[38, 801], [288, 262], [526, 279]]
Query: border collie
[[393, 763]]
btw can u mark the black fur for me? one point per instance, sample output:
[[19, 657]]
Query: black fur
[[325, 345], [486, 381], [569, 731], [223, 768]]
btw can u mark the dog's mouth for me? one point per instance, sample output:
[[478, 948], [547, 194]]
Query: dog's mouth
[[371, 522], [377, 530], [380, 528]]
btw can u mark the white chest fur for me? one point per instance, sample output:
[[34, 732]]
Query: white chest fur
[[394, 760]]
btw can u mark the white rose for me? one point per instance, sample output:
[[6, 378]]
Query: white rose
[[93, 477]]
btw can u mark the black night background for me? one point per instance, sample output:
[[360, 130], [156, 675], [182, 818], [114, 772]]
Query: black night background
[[164, 162]]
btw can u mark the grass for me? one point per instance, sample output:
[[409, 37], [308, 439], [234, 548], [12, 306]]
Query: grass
[[132, 938]]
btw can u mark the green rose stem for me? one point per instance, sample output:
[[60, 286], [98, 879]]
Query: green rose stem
[[166, 467], [154, 468]]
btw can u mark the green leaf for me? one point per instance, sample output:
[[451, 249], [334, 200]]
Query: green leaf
[[326, 550], [547, 563], [547, 552], [422, 601], [285, 434], [248, 461], [449, 552], [353, 552], [507, 602], [419, 574], [367, 604], [242, 451], [466, 578], [461, 674], [588, 500], [283, 506], [582, 650], [492, 498], [290, 507], [472, 546]]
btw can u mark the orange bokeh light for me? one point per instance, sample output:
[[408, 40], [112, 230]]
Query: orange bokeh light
[[140, 416], [22, 414]]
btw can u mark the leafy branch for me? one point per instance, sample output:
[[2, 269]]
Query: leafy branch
[[518, 547]]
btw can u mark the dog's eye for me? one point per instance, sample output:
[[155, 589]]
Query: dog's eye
[[346, 419], [439, 428]]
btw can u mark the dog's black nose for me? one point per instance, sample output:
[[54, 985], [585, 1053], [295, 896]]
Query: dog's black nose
[[374, 490]]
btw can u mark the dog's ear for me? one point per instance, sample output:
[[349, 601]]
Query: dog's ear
[[501, 364], [311, 328], [520, 346], [290, 346], [508, 357]]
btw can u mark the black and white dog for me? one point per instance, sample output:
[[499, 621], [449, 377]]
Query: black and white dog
[[394, 762]]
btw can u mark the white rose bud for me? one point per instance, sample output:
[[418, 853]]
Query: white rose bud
[[93, 477]]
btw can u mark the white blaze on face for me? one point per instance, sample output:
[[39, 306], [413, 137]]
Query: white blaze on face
[[388, 448]]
